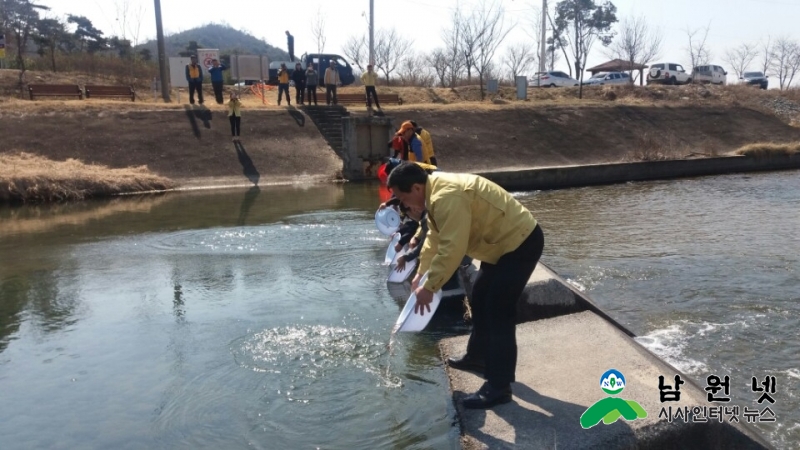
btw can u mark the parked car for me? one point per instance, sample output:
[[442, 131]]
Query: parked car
[[553, 79], [755, 79], [710, 74], [668, 73], [602, 78]]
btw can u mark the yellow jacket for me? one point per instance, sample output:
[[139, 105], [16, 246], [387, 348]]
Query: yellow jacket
[[427, 148], [369, 79], [234, 108], [468, 215], [427, 144], [283, 77]]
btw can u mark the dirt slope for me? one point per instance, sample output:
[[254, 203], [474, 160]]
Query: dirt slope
[[177, 143], [506, 137], [280, 143]]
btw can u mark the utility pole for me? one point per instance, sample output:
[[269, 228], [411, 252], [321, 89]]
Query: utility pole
[[372, 32], [543, 50], [162, 57]]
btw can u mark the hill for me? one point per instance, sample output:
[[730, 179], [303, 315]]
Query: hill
[[223, 37]]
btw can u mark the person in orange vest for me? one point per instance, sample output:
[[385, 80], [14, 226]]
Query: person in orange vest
[[400, 148], [194, 75], [419, 152]]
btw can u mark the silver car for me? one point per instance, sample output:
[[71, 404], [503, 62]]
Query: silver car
[[602, 78], [553, 79]]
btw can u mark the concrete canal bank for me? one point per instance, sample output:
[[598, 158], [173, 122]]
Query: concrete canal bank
[[566, 344], [598, 174]]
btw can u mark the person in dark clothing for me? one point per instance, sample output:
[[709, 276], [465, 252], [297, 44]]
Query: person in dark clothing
[[216, 79], [312, 80], [290, 44], [194, 76], [299, 78]]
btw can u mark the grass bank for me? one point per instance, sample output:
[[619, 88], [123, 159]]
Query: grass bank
[[761, 150], [27, 178]]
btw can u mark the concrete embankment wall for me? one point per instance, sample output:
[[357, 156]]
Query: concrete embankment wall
[[565, 343], [598, 174]]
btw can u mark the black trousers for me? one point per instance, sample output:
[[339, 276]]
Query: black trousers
[[298, 93], [196, 86], [217, 85], [281, 89], [331, 89], [236, 125], [372, 94], [494, 308], [312, 91]]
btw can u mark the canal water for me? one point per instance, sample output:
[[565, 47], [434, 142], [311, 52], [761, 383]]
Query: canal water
[[261, 319]]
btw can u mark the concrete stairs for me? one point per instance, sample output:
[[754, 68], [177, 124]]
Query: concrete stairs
[[328, 120]]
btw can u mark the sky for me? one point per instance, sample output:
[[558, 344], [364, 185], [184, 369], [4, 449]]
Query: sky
[[731, 22]]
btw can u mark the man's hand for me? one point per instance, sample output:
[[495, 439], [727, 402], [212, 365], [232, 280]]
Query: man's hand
[[424, 299], [413, 243], [398, 247], [401, 264], [415, 282]]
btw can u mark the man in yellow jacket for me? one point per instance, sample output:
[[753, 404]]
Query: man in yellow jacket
[[369, 79], [470, 215]]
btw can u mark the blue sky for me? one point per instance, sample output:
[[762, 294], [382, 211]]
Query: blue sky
[[732, 22]]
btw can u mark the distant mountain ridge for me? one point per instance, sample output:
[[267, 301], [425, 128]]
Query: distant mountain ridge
[[223, 37]]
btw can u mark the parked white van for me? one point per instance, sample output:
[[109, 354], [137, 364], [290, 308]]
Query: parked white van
[[710, 74]]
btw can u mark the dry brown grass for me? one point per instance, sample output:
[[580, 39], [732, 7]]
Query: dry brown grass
[[766, 149], [27, 178]]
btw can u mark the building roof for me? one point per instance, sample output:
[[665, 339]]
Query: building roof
[[616, 65]]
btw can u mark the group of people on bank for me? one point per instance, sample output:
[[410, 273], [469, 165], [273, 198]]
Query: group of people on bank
[[307, 81]]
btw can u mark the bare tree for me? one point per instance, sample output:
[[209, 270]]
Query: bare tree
[[519, 58], [785, 60], [741, 57], [355, 49], [415, 71], [489, 22], [469, 34], [318, 31], [766, 55], [699, 53], [129, 20], [390, 49], [440, 63], [637, 43], [453, 53]]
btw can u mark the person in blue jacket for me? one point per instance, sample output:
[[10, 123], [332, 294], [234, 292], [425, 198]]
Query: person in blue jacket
[[194, 75], [216, 79]]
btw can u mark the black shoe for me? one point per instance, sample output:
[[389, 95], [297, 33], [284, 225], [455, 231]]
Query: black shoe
[[487, 396], [468, 364]]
